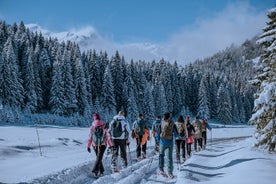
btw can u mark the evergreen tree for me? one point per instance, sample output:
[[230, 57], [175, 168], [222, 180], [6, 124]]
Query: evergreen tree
[[203, 109], [224, 105], [57, 90], [70, 101], [3, 34], [87, 75], [163, 102], [128, 98], [11, 83], [95, 74], [43, 72], [265, 104], [41, 82], [108, 99], [212, 95], [117, 77], [80, 82], [177, 90], [148, 106], [30, 90]]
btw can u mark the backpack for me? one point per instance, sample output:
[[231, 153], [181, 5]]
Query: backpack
[[180, 129], [116, 128], [198, 126], [139, 127], [190, 129], [98, 135], [167, 130]]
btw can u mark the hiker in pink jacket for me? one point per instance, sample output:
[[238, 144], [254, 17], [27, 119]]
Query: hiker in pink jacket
[[99, 139]]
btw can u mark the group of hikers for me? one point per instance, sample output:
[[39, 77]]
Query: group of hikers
[[116, 134]]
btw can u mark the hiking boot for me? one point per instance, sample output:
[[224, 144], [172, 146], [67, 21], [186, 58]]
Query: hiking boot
[[144, 155], [170, 175], [162, 173], [95, 174]]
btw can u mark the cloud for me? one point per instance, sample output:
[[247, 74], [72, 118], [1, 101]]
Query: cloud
[[236, 23], [207, 36]]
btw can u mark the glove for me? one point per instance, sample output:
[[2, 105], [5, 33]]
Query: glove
[[88, 149], [148, 138], [127, 143]]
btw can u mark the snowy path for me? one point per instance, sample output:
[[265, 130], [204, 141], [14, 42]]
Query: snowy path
[[229, 158], [82, 174], [194, 170]]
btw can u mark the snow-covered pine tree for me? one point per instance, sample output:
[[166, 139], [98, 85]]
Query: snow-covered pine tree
[[224, 104], [57, 91], [203, 106], [177, 90], [129, 99], [116, 69], [264, 116], [79, 80], [30, 92], [148, 104], [70, 99], [108, 99], [11, 83]]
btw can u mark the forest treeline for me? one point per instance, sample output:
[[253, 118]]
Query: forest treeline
[[39, 75]]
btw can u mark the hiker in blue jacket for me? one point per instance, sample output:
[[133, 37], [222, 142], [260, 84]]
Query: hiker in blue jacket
[[166, 141], [155, 128]]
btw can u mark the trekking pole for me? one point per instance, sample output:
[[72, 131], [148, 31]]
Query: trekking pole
[[130, 159]]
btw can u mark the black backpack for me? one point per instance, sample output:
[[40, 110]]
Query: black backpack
[[98, 135], [116, 128], [139, 127]]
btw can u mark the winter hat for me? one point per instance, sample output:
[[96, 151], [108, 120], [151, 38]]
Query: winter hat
[[96, 116]]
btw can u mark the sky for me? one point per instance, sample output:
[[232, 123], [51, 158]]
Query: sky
[[228, 158], [182, 30]]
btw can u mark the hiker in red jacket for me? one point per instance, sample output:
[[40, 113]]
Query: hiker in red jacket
[[99, 139]]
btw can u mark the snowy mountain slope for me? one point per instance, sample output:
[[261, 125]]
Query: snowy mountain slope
[[88, 38], [228, 158], [72, 35]]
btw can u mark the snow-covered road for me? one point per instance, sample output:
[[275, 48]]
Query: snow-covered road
[[193, 170], [228, 158]]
